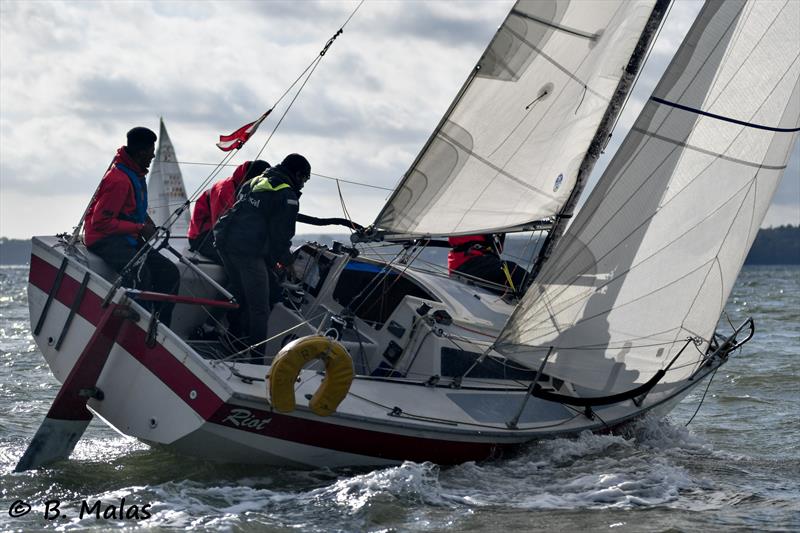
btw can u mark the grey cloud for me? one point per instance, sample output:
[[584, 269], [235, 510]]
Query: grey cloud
[[358, 74], [319, 115], [184, 10], [45, 25], [430, 24], [312, 11], [100, 94], [126, 98]]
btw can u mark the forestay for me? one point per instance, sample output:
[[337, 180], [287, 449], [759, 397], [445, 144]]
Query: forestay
[[651, 258], [508, 150], [165, 189]]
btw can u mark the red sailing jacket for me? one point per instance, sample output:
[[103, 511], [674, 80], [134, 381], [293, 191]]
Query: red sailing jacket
[[115, 201], [201, 216], [467, 247], [222, 194], [214, 201]]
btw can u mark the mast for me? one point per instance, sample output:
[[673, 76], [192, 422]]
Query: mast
[[602, 135]]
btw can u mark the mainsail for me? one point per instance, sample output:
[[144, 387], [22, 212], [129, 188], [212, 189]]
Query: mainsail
[[508, 150], [652, 256], [165, 189]]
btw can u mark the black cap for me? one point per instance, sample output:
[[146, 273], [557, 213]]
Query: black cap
[[297, 165], [140, 138]]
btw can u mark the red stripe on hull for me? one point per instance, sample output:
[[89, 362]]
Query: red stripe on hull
[[175, 375], [171, 372], [354, 440], [42, 274]]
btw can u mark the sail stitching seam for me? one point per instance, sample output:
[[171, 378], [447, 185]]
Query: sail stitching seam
[[549, 24], [718, 155], [582, 298]]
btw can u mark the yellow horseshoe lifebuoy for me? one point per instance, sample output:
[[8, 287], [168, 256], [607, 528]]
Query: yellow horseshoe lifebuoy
[[293, 357]]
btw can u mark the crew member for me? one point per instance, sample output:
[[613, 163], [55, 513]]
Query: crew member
[[214, 202], [478, 257], [255, 236], [117, 224]]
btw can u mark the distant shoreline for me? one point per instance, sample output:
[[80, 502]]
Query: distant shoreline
[[773, 246]]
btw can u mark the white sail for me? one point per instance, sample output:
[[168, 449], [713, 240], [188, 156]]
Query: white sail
[[651, 258], [509, 149], [165, 189]]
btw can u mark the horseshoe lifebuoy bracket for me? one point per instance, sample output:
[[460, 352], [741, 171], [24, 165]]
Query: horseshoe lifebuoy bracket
[[293, 357]]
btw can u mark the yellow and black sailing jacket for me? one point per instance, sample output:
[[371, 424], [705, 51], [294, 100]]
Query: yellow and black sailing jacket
[[262, 221]]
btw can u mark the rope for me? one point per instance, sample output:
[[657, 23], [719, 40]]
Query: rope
[[161, 232], [324, 176], [235, 355], [310, 70], [703, 398], [448, 421]]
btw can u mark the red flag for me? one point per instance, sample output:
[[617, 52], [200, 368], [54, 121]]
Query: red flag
[[237, 139]]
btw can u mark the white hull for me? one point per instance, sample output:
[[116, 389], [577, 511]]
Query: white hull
[[169, 395]]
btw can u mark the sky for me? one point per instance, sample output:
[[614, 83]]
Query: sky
[[75, 76]]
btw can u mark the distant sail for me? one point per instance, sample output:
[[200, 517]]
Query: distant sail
[[165, 189], [509, 149], [652, 256]]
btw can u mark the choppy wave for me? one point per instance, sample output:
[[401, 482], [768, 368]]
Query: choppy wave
[[735, 467]]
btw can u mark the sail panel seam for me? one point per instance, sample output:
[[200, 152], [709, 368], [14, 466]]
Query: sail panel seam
[[549, 24], [717, 155], [582, 298]]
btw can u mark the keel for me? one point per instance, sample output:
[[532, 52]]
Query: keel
[[68, 417]]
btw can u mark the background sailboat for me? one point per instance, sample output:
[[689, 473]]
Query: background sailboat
[[165, 189]]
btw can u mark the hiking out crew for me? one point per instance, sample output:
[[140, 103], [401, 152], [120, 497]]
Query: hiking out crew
[[214, 202], [117, 223], [255, 235]]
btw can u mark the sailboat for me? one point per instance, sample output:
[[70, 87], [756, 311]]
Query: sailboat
[[403, 363], [165, 188]]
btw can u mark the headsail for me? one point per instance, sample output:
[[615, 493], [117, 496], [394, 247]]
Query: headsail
[[165, 189], [508, 150], [651, 258]]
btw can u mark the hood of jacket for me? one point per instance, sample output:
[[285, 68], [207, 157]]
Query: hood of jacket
[[238, 175], [284, 175], [123, 157]]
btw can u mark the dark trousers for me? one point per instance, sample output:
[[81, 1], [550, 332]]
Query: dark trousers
[[204, 244], [490, 268], [248, 279], [158, 274]]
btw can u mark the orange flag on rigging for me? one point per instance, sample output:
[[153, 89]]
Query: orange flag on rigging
[[237, 139]]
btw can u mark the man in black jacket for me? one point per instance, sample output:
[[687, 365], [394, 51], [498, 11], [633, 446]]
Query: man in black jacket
[[256, 235]]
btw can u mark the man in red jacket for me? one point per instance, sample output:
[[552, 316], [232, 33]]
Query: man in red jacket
[[478, 258], [213, 203], [117, 223]]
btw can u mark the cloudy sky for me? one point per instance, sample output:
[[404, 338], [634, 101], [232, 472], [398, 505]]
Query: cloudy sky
[[75, 76]]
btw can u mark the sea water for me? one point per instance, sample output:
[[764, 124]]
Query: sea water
[[735, 467]]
